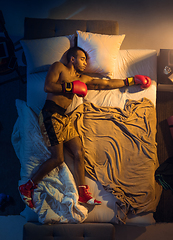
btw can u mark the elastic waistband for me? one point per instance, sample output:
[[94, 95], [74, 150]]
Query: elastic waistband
[[52, 107]]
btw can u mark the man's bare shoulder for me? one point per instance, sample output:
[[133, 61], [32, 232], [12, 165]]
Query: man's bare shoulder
[[58, 65], [56, 71], [85, 78]]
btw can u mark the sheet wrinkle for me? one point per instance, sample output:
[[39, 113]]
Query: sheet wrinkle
[[122, 159], [122, 156]]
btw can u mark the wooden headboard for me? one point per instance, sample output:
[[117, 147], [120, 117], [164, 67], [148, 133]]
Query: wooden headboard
[[35, 28]]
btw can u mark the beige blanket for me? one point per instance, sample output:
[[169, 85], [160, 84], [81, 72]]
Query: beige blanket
[[121, 153]]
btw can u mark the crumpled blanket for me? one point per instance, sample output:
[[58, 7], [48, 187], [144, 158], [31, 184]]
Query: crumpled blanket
[[121, 153], [56, 197]]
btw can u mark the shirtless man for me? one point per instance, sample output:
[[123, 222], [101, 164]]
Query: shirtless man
[[61, 83]]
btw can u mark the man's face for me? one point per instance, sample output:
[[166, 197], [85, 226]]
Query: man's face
[[80, 61]]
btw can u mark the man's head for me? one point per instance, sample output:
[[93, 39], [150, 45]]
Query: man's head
[[78, 57]]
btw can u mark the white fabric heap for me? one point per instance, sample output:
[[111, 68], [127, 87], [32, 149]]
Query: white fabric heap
[[56, 198]]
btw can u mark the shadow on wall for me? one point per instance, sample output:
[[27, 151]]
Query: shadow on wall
[[137, 11], [69, 9], [109, 9], [146, 23]]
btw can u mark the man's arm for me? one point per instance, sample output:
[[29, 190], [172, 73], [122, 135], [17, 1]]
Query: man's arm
[[51, 83], [102, 84], [56, 86]]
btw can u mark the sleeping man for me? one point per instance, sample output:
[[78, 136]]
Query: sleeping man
[[61, 83]]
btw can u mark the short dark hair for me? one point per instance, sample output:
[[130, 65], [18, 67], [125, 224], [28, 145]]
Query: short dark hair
[[72, 52]]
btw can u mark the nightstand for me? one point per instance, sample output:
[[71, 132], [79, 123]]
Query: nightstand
[[164, 140], [165, 59]]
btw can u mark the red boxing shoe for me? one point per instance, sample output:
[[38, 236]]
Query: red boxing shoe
[[26, 191], [85, 196]]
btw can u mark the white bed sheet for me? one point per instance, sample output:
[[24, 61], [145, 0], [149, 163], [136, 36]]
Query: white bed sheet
[[129, 63]]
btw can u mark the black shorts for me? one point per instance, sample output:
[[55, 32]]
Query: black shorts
[[56, 126]]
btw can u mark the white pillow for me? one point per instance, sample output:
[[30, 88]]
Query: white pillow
[[102, 51], [41, 53]]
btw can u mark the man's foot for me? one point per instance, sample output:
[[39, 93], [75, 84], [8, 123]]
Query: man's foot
[[26, 191], [85, 196]]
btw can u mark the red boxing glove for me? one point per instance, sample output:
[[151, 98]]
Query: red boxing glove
[[76, 87], [144, 81]]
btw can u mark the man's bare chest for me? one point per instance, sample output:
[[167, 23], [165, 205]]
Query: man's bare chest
[[67, 77]]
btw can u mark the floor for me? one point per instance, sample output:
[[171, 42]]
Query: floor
[[11, 227], [11, 223]]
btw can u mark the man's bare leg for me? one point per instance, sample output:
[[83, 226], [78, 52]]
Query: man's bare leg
[[75, 146], [56, 159]]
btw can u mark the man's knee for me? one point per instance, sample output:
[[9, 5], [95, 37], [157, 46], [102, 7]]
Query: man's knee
[[57, 160], [57, 155], [76, 148], [79, 153]]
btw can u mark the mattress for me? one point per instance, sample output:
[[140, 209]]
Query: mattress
[[128, 63]]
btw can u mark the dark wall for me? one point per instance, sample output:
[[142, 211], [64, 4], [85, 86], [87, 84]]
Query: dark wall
[[146, 23]]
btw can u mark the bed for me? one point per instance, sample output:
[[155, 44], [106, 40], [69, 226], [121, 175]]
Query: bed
[[117, 128]]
